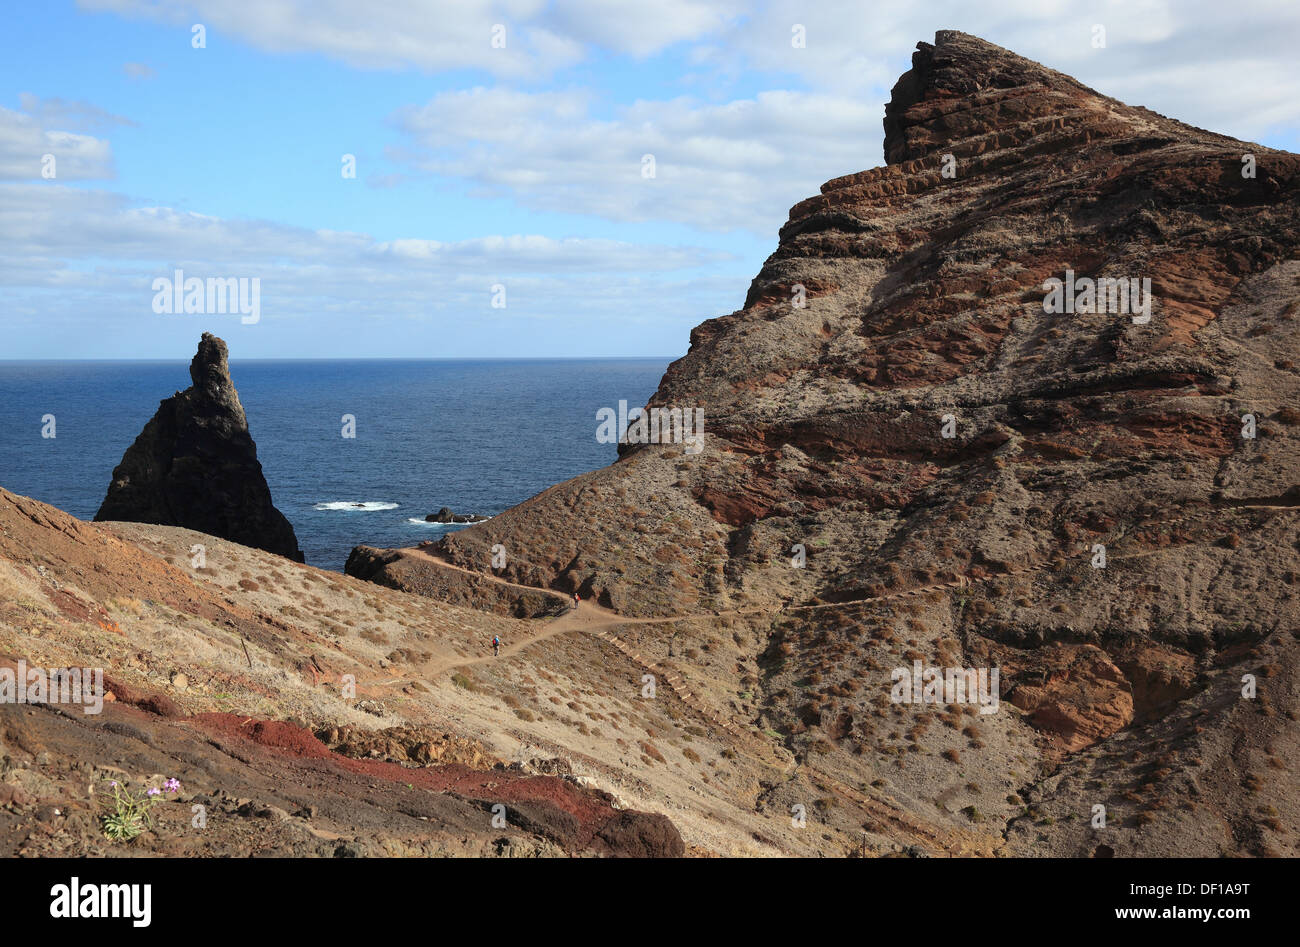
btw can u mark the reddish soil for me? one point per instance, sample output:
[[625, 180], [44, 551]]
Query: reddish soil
[[590, 809]]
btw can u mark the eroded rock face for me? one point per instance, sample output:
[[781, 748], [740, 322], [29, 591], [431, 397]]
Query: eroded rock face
[[923, 300], [895, 411], [1077, 694], [195, 465]]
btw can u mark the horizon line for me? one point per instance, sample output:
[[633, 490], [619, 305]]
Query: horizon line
[[368, 358]]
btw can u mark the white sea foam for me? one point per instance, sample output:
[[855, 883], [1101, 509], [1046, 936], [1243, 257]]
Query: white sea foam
[[369, 506], [416, 521]]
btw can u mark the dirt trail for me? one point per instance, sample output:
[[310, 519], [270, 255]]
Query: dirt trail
[[420, 553], [600, 621], [593, 619], [590, 617], [613, 618]]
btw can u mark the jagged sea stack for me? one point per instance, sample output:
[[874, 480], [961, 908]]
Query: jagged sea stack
[[195, 465]]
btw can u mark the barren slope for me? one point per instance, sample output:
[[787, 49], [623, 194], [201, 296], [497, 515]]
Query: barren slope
[[234, 677], [1121, 686]]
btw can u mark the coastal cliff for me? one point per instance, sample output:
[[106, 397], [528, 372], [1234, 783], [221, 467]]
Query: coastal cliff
[[915, 450]]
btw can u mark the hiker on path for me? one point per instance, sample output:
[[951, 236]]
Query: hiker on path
[[576, 600], [496, 646]]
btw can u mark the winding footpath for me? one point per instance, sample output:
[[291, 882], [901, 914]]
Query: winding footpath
[[600, 622]]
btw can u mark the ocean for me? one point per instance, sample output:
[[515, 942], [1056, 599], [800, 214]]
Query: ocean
[[474, 436]]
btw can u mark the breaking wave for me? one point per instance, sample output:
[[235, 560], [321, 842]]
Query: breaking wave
[[369, 506], [418, 521]]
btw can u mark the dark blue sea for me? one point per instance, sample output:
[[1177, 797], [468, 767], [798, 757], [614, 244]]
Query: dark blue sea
[[475, 436]]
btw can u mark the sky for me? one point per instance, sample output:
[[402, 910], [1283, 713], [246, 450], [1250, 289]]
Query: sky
[[532, 179]]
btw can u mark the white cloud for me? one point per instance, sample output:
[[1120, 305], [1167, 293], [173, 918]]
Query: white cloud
[[138, 70], [393, 34], [736, 165], [69, 115], [540, 36], [26, 138], [68, 252], [68, 223], [640, 28]]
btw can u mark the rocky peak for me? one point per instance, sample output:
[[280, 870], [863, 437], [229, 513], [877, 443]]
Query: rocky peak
[[961, 86], [195, 465], [210, 374]]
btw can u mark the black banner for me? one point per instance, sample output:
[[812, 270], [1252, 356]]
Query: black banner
[[149, 896]]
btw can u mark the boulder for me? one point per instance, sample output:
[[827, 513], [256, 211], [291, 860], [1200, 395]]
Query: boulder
[[633, 834], [445, 515]]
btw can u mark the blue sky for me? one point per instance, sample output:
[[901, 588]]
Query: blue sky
[[480, 166]]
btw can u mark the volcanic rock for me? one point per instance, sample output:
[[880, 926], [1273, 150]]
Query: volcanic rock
[[1077, 694], [924, 301], [641, 835], [445, 515], [905, 442], [195, 465]]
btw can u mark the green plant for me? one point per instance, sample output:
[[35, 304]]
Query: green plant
[[130, 813]]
